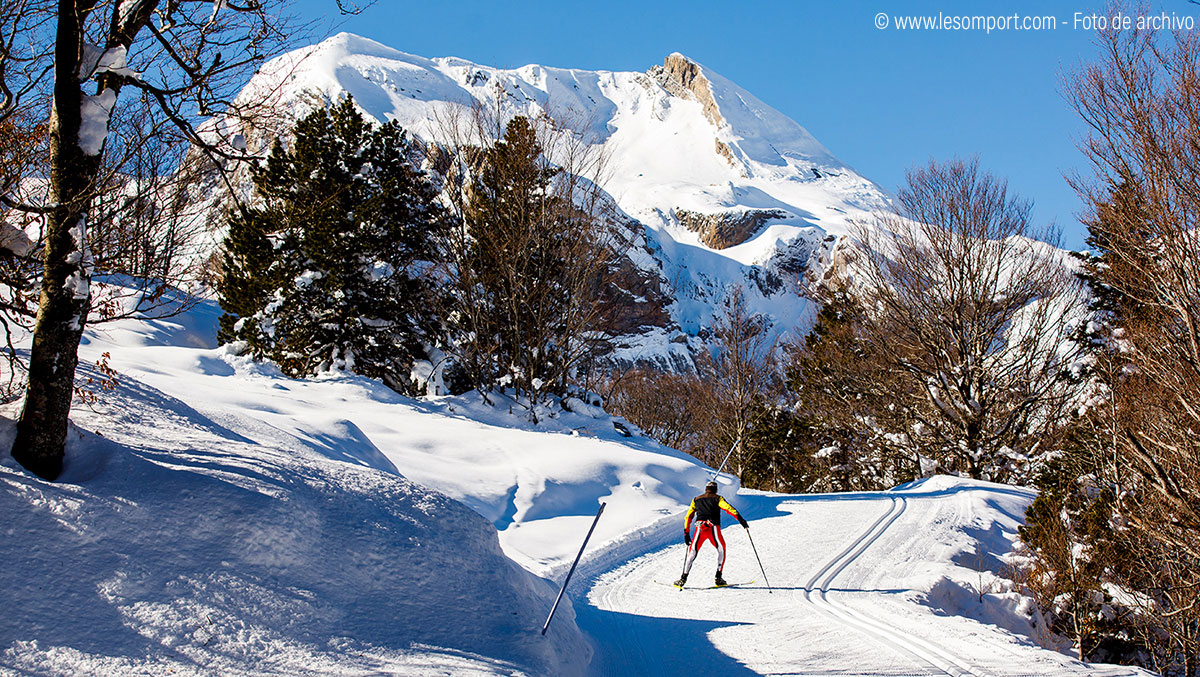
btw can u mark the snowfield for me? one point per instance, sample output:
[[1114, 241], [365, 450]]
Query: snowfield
[[216, 517], [187, 538]]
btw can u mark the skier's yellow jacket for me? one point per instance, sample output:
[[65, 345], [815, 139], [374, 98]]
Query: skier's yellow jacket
[[707, 508]]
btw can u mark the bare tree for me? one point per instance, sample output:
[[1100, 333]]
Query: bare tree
[[970, 301], [120, 79], [669, 407], [742, 374], [731, 406], [1141, 103]]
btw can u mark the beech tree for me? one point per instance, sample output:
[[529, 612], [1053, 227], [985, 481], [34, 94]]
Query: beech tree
[[1131, 481], [731, 406], [672, 408], [741, 373], [1141, 102], [19, 146], [91, 65], [968, 299]]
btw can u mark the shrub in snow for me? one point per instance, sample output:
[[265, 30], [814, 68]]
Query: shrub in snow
[[326, 272]]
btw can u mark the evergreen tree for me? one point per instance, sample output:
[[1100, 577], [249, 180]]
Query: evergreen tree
[[328, 272], [1075, 548], [855, 412], [529, 280], [777, 457]]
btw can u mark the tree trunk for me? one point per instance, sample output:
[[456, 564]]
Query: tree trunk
[[65, 298]]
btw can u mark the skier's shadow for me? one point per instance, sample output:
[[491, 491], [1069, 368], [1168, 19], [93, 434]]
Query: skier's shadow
[[651, 645]]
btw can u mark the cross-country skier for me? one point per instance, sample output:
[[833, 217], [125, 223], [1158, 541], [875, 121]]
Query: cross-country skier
[[706, 510]]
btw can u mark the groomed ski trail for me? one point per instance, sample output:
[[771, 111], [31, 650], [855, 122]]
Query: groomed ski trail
[[854, 564], [816, 592]]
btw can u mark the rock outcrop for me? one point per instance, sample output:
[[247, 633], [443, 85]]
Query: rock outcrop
[[727, 229], [685, 79]]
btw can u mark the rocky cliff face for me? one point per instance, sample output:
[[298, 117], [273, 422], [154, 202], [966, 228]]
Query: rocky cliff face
[[727, 229], [684, 78]]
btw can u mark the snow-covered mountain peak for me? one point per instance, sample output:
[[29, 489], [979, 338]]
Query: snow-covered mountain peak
[[762, 134], [710, 140], [726, 190]]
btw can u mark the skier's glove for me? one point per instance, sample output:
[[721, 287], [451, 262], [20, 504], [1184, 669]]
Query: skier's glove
[[687, 537], [742, 521]]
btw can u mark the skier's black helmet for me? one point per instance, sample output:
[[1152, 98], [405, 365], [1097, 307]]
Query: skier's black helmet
[[711, 486]]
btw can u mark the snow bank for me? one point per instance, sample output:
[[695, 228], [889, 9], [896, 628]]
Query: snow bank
[[175, 543], [539, 485], [231, 519]]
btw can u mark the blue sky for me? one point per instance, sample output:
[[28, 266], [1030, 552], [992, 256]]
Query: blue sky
[[880, 100]]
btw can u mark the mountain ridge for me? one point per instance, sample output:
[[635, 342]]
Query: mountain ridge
[[724, 190]]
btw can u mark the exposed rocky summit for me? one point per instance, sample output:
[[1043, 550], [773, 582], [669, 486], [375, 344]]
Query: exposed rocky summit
[[683, 77]]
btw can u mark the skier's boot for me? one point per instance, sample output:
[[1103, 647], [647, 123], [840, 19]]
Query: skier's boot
[[682, 580], [720, 582]]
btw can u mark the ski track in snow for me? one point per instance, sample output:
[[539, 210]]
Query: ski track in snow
[[839, 605], [816, 592]]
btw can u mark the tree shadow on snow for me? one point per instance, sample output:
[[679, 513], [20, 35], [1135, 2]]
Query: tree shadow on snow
[[649, 645], [759, 506]]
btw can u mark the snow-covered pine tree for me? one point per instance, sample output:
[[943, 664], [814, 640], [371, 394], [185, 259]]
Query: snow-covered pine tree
[[329, 270], [776, 458]]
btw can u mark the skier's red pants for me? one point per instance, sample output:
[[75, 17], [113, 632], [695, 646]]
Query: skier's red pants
[[706, 531]]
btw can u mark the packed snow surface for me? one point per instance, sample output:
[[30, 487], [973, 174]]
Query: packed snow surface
[[216, 517], [214, 522], [901, 582]]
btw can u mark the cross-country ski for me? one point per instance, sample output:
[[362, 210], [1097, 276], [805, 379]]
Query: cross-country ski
[[708, 587]]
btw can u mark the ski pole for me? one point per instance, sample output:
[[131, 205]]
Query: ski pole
[[760, 566], [726, 460], [688, 548], [573, 565]]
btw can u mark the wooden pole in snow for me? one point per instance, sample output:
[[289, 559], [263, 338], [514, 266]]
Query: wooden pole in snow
[[563, 589]]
